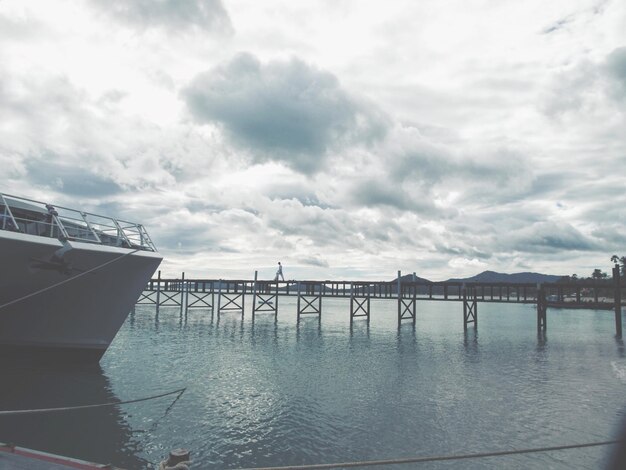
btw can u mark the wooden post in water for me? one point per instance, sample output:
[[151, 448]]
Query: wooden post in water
[[542, 309], [158, 299], [182, 293], [219, 297], [406, 309], [298, 287], [359, 305], [470, 306], [351, 304], [399, 298], [256, 274], [617, 298]]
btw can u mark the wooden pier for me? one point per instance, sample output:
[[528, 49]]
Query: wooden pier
[[227, 295]]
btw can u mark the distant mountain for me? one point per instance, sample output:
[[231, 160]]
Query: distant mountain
[[492, 276], [409, 278]]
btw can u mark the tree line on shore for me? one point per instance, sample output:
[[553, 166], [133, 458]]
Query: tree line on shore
[[598, 274]]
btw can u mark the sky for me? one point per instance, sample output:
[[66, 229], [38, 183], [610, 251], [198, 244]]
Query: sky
[[346, 139]]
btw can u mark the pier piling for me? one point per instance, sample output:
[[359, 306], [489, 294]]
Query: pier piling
[[306, 302], [158, 294], [617, 299], [470, 307], [359, 301], [263, 299], [542, 309], [406, 305]]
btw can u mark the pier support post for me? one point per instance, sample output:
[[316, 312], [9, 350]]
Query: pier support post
[[306, 302], [199, 296], [359, 304], [406, 306], [254, 287], [617, 298], [470, 307], [398, 291], [267, 301], [158, 297], [219, 297], [542, 309], [182, 295], [233, 301]]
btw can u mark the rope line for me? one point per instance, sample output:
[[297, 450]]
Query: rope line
[[180, 391], [369, 463], [64, 281]]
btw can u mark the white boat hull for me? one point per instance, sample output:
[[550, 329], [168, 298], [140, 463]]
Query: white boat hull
[[74, 308]]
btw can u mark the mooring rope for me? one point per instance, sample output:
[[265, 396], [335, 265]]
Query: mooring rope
[[439, 458], [180, 391], [64, 281]]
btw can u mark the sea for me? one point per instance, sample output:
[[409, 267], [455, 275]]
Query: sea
[[274, 391]]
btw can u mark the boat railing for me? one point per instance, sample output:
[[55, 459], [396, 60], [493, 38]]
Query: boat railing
[[33, 217]]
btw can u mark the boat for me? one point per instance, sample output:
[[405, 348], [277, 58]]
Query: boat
[[68, 279]]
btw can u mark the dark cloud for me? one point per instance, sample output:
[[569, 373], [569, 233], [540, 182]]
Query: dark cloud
[[204, 207], [287, 190], [482, 174], [373, 193], [459, 250], [582, 86], [174, 15], [612, 236], [570, 89], [550, 237], [557, 25], [70, 180], [282, 111], [424, 164], [314, 261], [616, 67]]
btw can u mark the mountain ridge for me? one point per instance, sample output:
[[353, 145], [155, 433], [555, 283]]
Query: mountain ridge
[[493, 276]]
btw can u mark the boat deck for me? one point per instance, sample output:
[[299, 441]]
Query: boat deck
[[20, 458]]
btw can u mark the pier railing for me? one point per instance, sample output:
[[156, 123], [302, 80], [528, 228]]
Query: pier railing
[[32, 217], [584, 292]]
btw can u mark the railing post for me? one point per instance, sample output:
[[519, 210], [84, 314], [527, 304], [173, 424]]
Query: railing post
[[617, 298], [7, 209]]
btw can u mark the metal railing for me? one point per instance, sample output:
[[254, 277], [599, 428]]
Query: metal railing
[[32, 217]]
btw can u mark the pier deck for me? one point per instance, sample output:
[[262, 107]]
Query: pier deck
[[229, 295]]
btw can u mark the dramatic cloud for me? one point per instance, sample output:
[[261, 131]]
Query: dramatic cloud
[[347, 142], [71, 180], [174, 15], [285, 111], [551, 237]]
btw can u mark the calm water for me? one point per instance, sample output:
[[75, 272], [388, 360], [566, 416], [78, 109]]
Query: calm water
[[277, 393]]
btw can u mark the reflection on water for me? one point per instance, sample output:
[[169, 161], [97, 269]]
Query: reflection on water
[[271, 390], [99, 434]]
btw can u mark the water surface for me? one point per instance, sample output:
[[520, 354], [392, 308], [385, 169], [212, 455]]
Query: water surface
[[277, 392]]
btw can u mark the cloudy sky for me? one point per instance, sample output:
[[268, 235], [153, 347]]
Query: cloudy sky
[[347, 139]]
